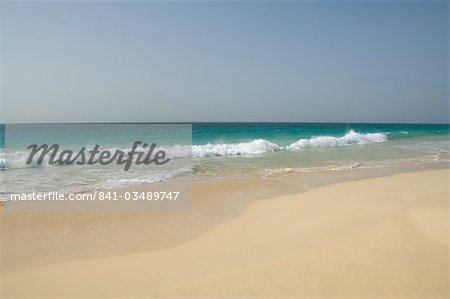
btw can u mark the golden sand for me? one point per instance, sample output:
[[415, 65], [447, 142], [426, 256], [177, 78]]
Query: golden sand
[[375, 238]]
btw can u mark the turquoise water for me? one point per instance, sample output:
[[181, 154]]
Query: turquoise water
[[217, 150], [287, 133], [316, 147]]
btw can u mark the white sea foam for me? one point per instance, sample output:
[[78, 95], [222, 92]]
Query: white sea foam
[[269, 172], [122, 179], [18, 159], [258, 146], [351, 137]]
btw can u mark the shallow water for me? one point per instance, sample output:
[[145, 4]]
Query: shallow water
[[216, 150]]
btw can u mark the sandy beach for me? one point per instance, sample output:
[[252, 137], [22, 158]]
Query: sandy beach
[[382, 237], [224, 149]]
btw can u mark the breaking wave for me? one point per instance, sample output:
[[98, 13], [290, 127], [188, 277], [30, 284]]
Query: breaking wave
[[258, 146], [351, 137]]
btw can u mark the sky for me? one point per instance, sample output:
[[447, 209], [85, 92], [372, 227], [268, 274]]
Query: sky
[[323, 61]]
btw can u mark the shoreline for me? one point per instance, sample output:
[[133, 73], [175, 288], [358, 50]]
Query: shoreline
[[336, 240], [92, 234]]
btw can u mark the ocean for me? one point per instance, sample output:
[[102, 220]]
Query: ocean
[[203, 151]]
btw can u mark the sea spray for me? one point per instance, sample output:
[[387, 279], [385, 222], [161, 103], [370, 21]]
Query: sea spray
[[351, 137], [18, 159]]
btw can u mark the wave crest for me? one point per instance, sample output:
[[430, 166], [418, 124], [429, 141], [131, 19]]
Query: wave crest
[[351, 137], [258, 146]]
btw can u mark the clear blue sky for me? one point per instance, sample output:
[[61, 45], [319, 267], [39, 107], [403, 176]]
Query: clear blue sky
[[225, 61]]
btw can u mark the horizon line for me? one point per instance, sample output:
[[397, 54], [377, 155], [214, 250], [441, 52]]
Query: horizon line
[[234, 122]]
